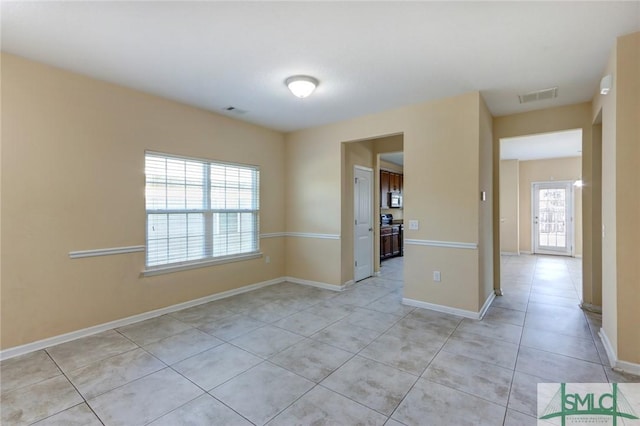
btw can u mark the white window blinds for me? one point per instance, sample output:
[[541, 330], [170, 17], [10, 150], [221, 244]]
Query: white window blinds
[[199, 210]]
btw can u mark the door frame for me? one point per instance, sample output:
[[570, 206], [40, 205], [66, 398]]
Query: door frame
[[571, 231], [371, 221]]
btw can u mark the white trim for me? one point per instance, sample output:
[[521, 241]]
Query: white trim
[[377, 274], [348, 283], [525, 252], [628, 367], [312, 235], [368, 173], [611, 353], [273, 235], [447, 244], [198, 159], [368, 169], [569, 209], [63, 338], [203, 264], [616, 364], [578, 256], [441, 308], [317, 284], [105, 252], [591, 308], [508, 253], [301, 235], [487, 304]]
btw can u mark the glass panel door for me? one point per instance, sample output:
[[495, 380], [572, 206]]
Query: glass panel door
[[552, 218]]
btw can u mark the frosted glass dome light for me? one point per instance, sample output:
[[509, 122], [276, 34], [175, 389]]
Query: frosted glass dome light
[[301, 85]]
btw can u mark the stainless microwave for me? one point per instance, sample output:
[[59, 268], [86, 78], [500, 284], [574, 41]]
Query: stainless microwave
[[395, 200]]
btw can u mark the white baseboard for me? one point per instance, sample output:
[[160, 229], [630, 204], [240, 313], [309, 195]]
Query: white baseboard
[[611, 353], [627, 367], [624, 366], [348, 283], [525, 252], [509, 253], [591, 308], [441, 308], [318, 284], [487, 304], [578, 256], [63, 338]]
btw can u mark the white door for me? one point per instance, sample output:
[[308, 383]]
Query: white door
[[363, 212], [552, 218]]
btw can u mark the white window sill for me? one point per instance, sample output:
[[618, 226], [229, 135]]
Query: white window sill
[[168, 269]]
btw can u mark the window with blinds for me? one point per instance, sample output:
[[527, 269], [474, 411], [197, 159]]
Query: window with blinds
[[199, 210]]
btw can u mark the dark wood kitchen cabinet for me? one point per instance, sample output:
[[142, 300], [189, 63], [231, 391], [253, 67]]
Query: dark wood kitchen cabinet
[[385, 242], [390, 241], [394, 182], [395, 243], [389, 182], [384, 188]]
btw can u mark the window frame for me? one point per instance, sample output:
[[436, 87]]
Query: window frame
[[208, 213]]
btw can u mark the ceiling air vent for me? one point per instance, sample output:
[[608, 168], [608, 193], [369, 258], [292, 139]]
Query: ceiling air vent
[[234, 110], [539, 95]]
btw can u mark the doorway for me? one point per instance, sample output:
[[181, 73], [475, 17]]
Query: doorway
[[553, 158], [363, 215], [552, 218]]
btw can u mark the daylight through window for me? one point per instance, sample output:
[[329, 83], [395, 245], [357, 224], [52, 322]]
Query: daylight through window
[[199, 210]]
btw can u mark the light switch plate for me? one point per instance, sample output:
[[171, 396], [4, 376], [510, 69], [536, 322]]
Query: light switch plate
[[414, 225]]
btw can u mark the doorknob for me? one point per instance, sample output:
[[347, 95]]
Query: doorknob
[[370, 229]]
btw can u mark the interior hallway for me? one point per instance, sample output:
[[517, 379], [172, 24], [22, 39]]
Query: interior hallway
[[290, 354]]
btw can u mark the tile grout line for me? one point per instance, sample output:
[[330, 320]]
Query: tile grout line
[[515, 365], [84, 400]]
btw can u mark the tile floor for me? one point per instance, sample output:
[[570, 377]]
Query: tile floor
[[290, 354]]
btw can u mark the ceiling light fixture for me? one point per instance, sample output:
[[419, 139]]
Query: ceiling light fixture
[[605, 84], [301, 85]]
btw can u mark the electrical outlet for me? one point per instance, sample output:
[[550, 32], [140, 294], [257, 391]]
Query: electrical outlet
[[267, 259], [436, 276], [414, 225]]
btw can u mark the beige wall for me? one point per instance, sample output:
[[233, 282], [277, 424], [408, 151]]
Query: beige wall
[[620, 110], [543, 121], [73, 179], [592, 218], [441, 171], [509, 207], [557, 169], [628, 196], [313, 179], [485, 216], [354, 154], [606, 107]]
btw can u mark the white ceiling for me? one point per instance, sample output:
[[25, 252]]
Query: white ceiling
[[545, 145], [368, 56], [396, 158]]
